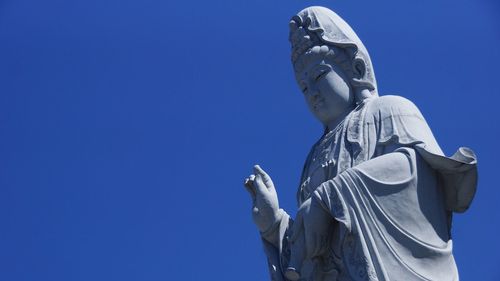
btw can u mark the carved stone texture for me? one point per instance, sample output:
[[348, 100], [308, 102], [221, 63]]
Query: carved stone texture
[[377, 193]]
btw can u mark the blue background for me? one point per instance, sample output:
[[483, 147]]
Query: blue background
[[127, 127]]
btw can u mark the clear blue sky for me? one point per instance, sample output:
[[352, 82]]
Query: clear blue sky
[[127, 127]]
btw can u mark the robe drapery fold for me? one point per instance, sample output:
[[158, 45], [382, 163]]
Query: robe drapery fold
[[390, 191]]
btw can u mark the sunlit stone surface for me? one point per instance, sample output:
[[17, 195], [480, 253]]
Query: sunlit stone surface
[[377, 194]]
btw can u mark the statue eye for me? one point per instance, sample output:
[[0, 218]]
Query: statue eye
[[321, 74], [304, 90]]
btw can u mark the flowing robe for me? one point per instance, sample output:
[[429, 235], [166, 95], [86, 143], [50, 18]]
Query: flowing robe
[[390, 192]]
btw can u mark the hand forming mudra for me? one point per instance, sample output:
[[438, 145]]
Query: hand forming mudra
[[265, 206], [310, 232]]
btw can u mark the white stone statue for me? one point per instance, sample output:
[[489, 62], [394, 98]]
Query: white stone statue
[[376, 194]]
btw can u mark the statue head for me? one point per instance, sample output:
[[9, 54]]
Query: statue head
[[331, 64]]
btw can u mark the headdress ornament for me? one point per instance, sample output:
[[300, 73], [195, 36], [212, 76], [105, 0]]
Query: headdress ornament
[[316, 26]]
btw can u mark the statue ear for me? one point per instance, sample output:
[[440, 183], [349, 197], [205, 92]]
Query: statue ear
[[359, 68]]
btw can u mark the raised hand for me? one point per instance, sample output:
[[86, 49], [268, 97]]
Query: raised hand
[[265, 206]]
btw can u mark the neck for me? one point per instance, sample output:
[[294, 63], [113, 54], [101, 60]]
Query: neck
[[334, 123]]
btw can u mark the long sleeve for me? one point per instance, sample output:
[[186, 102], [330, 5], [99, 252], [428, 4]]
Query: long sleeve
[[276, 246], [394, 219]]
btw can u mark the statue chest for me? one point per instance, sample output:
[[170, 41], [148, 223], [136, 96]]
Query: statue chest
[[323, 161]]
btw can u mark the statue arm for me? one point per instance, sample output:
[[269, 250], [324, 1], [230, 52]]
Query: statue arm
[[273, 235], [393, 167], [272, 222], [276, 246]]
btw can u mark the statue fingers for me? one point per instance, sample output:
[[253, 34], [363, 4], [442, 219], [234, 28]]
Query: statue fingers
[[249, 180], [259, 186], [246, 182], [265, 177], [249, 187]]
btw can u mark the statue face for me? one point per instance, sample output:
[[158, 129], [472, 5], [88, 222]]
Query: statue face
[[324, 85]]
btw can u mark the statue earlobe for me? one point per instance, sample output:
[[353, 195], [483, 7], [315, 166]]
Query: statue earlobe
[[360, 79], [362, 86], [359, 68]]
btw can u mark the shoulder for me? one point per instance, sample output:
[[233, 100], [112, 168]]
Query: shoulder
[[386, 106], [397, 118]]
